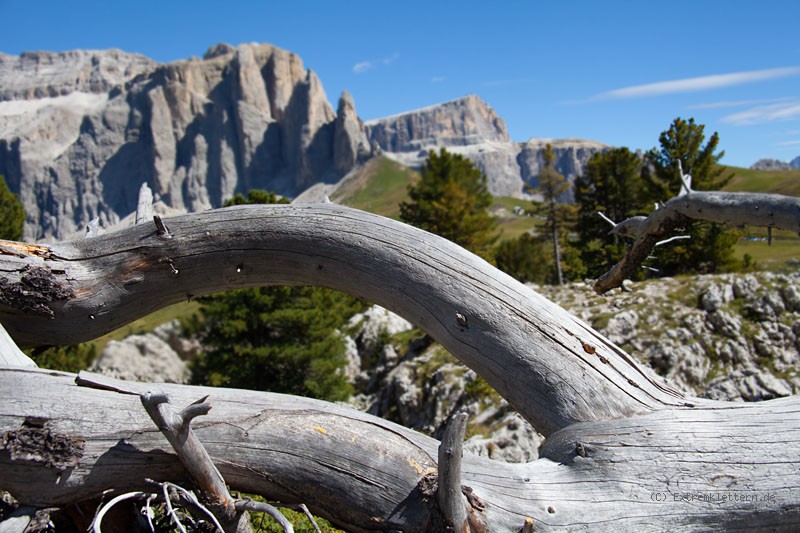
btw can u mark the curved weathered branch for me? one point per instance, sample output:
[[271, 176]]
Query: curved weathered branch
[[727, 208], [552, 368]]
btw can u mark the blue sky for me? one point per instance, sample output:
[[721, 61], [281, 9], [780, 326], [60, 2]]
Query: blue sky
[[612, 71]]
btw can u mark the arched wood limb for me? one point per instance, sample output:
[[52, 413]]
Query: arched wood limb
[[552, 368], [624, 451]]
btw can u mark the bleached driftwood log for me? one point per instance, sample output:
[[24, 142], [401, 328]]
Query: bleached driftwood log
[[623, 450]]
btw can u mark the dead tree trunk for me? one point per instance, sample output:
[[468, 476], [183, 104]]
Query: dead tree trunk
[[624, 450]]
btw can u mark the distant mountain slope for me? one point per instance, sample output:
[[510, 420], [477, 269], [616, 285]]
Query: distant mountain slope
[[769, 181], [774, 164]]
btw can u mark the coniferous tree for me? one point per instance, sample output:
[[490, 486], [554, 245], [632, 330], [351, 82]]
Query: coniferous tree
[[12, 214], [710, 247], [452, 200], [612, 184], [525, 258], [279, 339]]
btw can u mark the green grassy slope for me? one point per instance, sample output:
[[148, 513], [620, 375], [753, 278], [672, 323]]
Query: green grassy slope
[[378, 187], [785, 248], [381, 184], [771, 181]]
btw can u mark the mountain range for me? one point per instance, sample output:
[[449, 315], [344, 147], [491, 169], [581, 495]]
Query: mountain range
[[80, 131]]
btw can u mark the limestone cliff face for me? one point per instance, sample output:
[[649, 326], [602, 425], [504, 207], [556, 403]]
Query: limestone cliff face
[[44, 74], [468, 126], [81, 131], [462, 122]]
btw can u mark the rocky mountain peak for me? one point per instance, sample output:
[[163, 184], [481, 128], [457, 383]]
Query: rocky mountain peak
[[218, 50], [81, 131], [770, 164], [470, 127], [467, 120], [350, 144]]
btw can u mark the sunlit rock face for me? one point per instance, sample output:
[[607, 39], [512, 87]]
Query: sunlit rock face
[[81, 131]]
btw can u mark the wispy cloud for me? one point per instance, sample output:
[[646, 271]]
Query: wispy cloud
[[438, 79], [765, 113], [737, 103], [702, 83], [789, 143], [363, 66]]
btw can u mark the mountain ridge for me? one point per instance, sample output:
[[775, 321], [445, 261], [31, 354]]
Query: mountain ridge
[[81, 130]]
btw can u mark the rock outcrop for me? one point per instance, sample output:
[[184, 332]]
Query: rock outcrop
[[81, 131], [35, 75], [470, 127], [770, 164], [461, 122], [774, 164], [726, 336]]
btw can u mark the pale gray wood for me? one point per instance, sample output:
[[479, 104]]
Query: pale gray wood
[[624, 450], [176, 428], [554, 369], [144, 207], [630, 474], [10, 354], [728, 208], [449, 498]]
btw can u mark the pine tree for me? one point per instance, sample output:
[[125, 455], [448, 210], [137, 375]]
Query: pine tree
[[553, 186], [12, 214], [279, 339], [452, 200], [525, 258], [709, 248], [612, 184], [256, 196]]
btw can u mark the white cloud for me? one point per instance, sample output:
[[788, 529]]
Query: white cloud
[[765, 113], [363, 66], [438, 79], [737, 103], [702, 83], [789, 143]]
